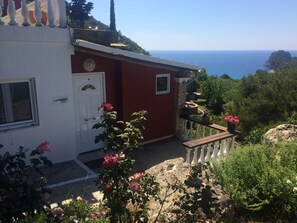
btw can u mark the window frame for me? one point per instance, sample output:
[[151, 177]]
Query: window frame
[[168, 83], [33, 101]]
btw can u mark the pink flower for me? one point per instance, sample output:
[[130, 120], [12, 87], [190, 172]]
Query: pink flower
[[232, 119], [104, 178], [108, 187], [105, 107], [120, 182], [103, 213], [93, 216], [138, 176], [134, 186], [110, 161], [43, 147]]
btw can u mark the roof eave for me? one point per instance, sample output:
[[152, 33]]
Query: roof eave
[[133, 56]]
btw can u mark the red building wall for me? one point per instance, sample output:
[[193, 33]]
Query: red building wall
[[112, 70], [139, 93], [131, 87]]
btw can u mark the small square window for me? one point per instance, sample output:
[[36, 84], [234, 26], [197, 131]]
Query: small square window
[[18, 106], [163, 83]]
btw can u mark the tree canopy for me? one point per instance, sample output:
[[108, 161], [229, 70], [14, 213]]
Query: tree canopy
[[78, 11]]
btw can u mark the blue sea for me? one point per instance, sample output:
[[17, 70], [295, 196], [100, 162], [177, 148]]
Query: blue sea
[[236, 64]]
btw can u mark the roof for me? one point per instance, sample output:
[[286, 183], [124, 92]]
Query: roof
[[123, 54]]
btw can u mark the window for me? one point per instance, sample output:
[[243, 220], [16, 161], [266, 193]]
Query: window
[[163, 83], [18, 107]]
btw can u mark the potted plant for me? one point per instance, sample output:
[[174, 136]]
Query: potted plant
[[232, 122], [205, 117], [189, 108]]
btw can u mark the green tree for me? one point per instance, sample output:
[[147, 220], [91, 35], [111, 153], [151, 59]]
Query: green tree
[[112, 16], [213, 91], [78, 12], [278, 59]]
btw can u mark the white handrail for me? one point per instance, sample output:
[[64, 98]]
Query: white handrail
[[216, 150]]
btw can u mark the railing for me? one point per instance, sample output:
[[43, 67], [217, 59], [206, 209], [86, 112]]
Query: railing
[[206, 142], [53, 11]]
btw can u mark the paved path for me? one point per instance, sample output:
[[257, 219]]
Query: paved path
[[86, 188]]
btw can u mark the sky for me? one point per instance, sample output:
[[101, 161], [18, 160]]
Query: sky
[[204, 24]]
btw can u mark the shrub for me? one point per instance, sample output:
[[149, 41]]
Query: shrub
[[75, 211], [259, 177], [125, 196], [21, 195], [255, 136]]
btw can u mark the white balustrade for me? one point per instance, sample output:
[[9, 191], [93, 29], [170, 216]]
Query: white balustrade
[[194, 130], [37, 13], [25, 13], [11, 13], [50, 14], [215, 150], [56, 13]]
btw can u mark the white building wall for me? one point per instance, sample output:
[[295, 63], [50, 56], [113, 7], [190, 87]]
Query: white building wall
[[45, 54]]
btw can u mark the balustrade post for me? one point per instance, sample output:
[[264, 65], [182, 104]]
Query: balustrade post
[[195, 158], [197, 131], [202, 155], [222, 149], [62, 14], [50, 14], [185, 130], [25, 13], [1, 11], [215, 150], [187, 137], [208, 147], [210, 131], [232, 143], [203, 131], [227, 144], [188, 157], [11, 13], [37, 13], [191, 130]]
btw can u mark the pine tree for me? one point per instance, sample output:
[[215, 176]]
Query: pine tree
[[112, 17]]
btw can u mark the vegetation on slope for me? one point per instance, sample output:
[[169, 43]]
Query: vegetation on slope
[[78, 13], [260, 100]]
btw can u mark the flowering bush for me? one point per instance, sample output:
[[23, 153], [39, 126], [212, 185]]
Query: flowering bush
[[232, 119], [122, 191], [119, 135], [19, 193], [125, 195]]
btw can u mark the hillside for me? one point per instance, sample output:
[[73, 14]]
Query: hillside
[[130, 44]]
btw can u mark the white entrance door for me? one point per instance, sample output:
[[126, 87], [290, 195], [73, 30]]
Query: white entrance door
[[89, 93]]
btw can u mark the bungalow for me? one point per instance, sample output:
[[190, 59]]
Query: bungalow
[[51, 85]]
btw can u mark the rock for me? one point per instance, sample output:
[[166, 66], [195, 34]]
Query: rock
[[175, 172], [285, 132]]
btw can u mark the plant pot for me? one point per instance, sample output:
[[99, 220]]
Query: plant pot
[[205, 120], [231, 127], [186, 112]]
